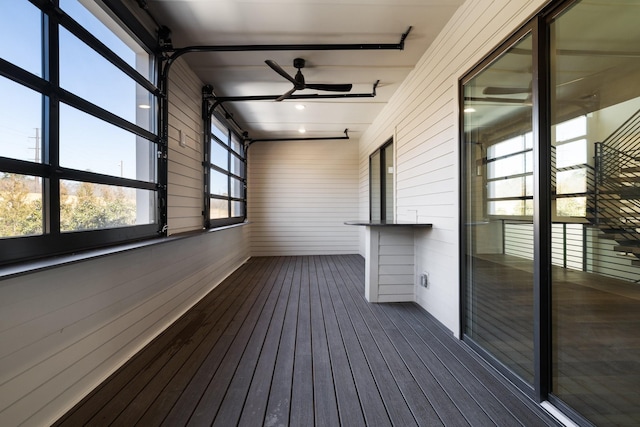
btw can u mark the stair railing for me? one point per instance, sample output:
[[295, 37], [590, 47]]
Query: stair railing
[[617, 176]]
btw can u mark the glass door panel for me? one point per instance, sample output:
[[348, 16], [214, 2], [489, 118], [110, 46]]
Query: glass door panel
[[498, 218], [596, 210]]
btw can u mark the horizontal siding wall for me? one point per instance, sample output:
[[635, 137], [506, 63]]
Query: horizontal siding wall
[[422, 116], [396, 265], [299, 196], [185, 190], [64, 330]]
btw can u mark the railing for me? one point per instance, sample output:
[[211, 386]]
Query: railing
[[616, 201], [573, 246], [627, 137]]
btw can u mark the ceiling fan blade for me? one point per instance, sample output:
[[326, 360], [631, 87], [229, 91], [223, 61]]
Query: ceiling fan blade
[[330, 87], [278, 69], [286, 95], [493, 90]]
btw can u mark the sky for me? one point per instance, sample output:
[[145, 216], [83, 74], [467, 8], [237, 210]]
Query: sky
[[86, 143]]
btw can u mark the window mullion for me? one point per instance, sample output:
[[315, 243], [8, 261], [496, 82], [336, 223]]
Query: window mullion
[[542, 211], [229, 173], [50, 125]]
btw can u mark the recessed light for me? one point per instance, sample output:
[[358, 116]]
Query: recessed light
[[144, 106], [300, 107], [302, 130], [469, 110]]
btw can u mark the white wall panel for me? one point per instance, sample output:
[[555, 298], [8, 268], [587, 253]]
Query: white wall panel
[[423, 117], [185, 189], [300, 194]]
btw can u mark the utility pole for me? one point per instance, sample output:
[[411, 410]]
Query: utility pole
[[37, 147], [36, 187]]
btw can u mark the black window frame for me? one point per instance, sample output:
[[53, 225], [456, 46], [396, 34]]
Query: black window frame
[[231, 136], [54, 242]]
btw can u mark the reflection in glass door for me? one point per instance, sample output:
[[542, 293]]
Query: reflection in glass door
[[595, 136], [499, 207], [551, 209]]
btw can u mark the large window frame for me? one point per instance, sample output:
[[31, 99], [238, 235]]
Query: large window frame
[[47, 168], [225, 174]]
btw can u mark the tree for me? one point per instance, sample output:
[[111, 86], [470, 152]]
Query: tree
[[20, 210], [119, 210], [83, 206], [96, 207], [86, 213]]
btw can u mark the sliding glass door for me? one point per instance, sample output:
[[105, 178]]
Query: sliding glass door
[[595, 135], [498, 224], [550, 225]]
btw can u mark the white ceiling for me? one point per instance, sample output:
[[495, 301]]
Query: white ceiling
[[268, 22]]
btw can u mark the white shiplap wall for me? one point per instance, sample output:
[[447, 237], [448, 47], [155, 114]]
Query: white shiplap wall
[[65, 329], [423, 115], [185, 188], [300, 195]]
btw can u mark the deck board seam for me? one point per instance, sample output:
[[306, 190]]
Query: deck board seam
[[275, 327], [338, 355], [379, 371], [253, 359], [480, 365], [155, 345], [211, 357], [428, 392], [242, 341]]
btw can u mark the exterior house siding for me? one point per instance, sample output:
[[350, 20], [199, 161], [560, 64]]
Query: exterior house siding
[[300, 195], [185, 194], [422, 116]]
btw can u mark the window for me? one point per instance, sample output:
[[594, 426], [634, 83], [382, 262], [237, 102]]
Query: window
[[510, 177], [225, 175], [78, 140], [572, 171], [510, 172], [381, 183]]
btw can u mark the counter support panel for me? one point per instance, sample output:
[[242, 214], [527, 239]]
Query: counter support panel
[[390, 274]]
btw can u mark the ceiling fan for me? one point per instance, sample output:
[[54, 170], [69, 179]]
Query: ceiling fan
[[298, 80], [495, 90]]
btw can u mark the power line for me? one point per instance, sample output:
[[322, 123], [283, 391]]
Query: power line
[[37, 147]]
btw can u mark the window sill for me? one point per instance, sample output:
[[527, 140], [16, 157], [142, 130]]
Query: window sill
[[27, 267]]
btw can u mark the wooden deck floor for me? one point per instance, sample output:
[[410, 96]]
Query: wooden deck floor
[[292, 341]]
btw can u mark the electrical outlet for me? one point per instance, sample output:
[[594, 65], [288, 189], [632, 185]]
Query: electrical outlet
[[424, 280]]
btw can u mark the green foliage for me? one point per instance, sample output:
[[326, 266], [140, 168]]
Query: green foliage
[[85, 206], [96, 207], [571, 207], [20, 209]]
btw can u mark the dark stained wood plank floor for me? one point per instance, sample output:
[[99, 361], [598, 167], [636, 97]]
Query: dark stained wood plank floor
[[292, 341]]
